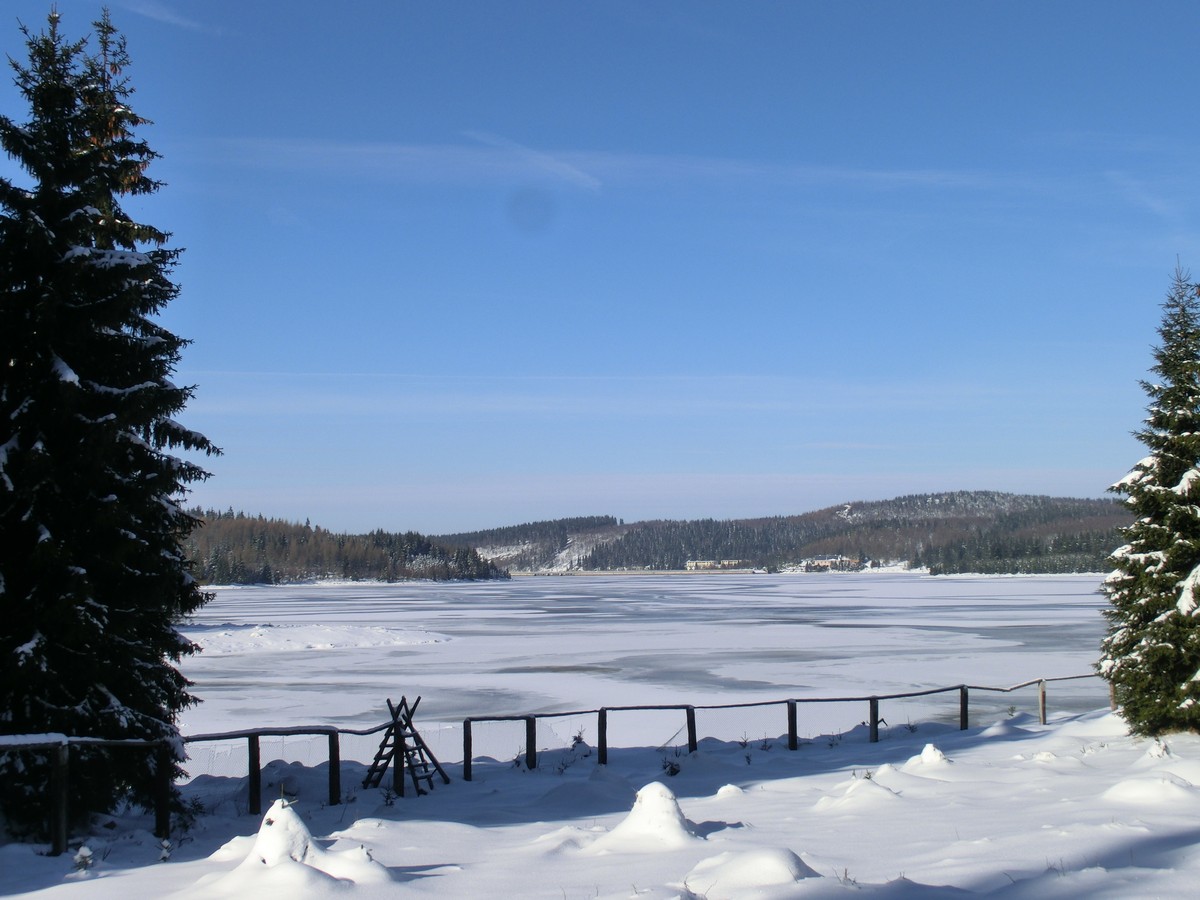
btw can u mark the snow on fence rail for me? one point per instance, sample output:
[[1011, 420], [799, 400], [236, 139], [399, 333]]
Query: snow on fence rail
[[791, 704], [254, 765], [61, 744], [60, 767]]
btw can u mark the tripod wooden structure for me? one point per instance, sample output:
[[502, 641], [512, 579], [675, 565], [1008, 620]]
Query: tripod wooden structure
[[402, 744]]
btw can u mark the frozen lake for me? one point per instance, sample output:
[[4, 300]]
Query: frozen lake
[[1075, 808], [331, 654]]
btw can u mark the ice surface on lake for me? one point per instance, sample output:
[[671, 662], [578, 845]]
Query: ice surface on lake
[[331, 654]]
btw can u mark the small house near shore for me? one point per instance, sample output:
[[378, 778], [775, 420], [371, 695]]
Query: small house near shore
[[711, 565]]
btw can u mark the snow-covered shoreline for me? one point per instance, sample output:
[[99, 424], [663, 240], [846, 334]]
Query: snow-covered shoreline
[[1011, 809]]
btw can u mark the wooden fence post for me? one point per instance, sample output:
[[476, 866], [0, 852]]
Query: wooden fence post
[[963, 706], [691, 729], [530, 743], [255, 772], [874, 719], [467, 751], [602, 737], [335, 770], [793, 737], [60, 758], [164, 764], [398, 762], [1042, 701]]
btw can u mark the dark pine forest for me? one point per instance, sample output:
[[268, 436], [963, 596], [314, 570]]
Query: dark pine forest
[[234, 548]]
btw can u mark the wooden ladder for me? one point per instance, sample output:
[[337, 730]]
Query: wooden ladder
[[415, 756]]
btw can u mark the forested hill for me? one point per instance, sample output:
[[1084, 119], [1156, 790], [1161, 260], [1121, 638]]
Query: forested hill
[[233, 548], [964, 531], [538, 546]]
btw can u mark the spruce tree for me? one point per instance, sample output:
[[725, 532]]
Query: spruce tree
[[1151, 654], [92, 576]]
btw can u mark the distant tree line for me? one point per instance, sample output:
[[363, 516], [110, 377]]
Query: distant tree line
[[234, 548], [984, 532], [1019, 548], [669, 544], [965, 531]]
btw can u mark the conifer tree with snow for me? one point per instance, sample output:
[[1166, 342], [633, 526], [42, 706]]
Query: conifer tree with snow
[[92, 577], [1151, 654]]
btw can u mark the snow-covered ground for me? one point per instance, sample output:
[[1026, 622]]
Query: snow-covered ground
[[1007, 808]]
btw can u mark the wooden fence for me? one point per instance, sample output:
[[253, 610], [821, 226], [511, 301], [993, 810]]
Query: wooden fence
[[254, 763], [791, 705], [60, 768], [61, 744]]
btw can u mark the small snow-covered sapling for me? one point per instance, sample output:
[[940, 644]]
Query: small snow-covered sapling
[[84, 858]]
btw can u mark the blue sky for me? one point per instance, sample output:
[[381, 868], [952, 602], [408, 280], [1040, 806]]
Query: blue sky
[[465, 264]]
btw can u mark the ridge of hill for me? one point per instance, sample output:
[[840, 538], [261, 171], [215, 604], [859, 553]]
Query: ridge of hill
[[547, 546], [985, 532]]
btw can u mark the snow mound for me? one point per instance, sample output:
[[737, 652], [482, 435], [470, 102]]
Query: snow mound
[[735, 876], [910, 784], [230, 638], [565, 839], [1006, 728], [1165, 791], [235, 848], [1097, 724], [730, 790], [857, 794], [601, 790], [1187, 769], [566, 799], [1159, 758], [285, 857], [1158, 751], [930, 758], [655, 823]]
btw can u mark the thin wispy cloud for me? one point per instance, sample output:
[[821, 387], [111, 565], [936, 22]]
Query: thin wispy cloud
[[651, 167], [494, 159], [553, 166], [1140, 194], [395, 162], [168, 15]]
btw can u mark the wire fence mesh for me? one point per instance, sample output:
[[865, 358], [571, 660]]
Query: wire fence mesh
[[507, 738]]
